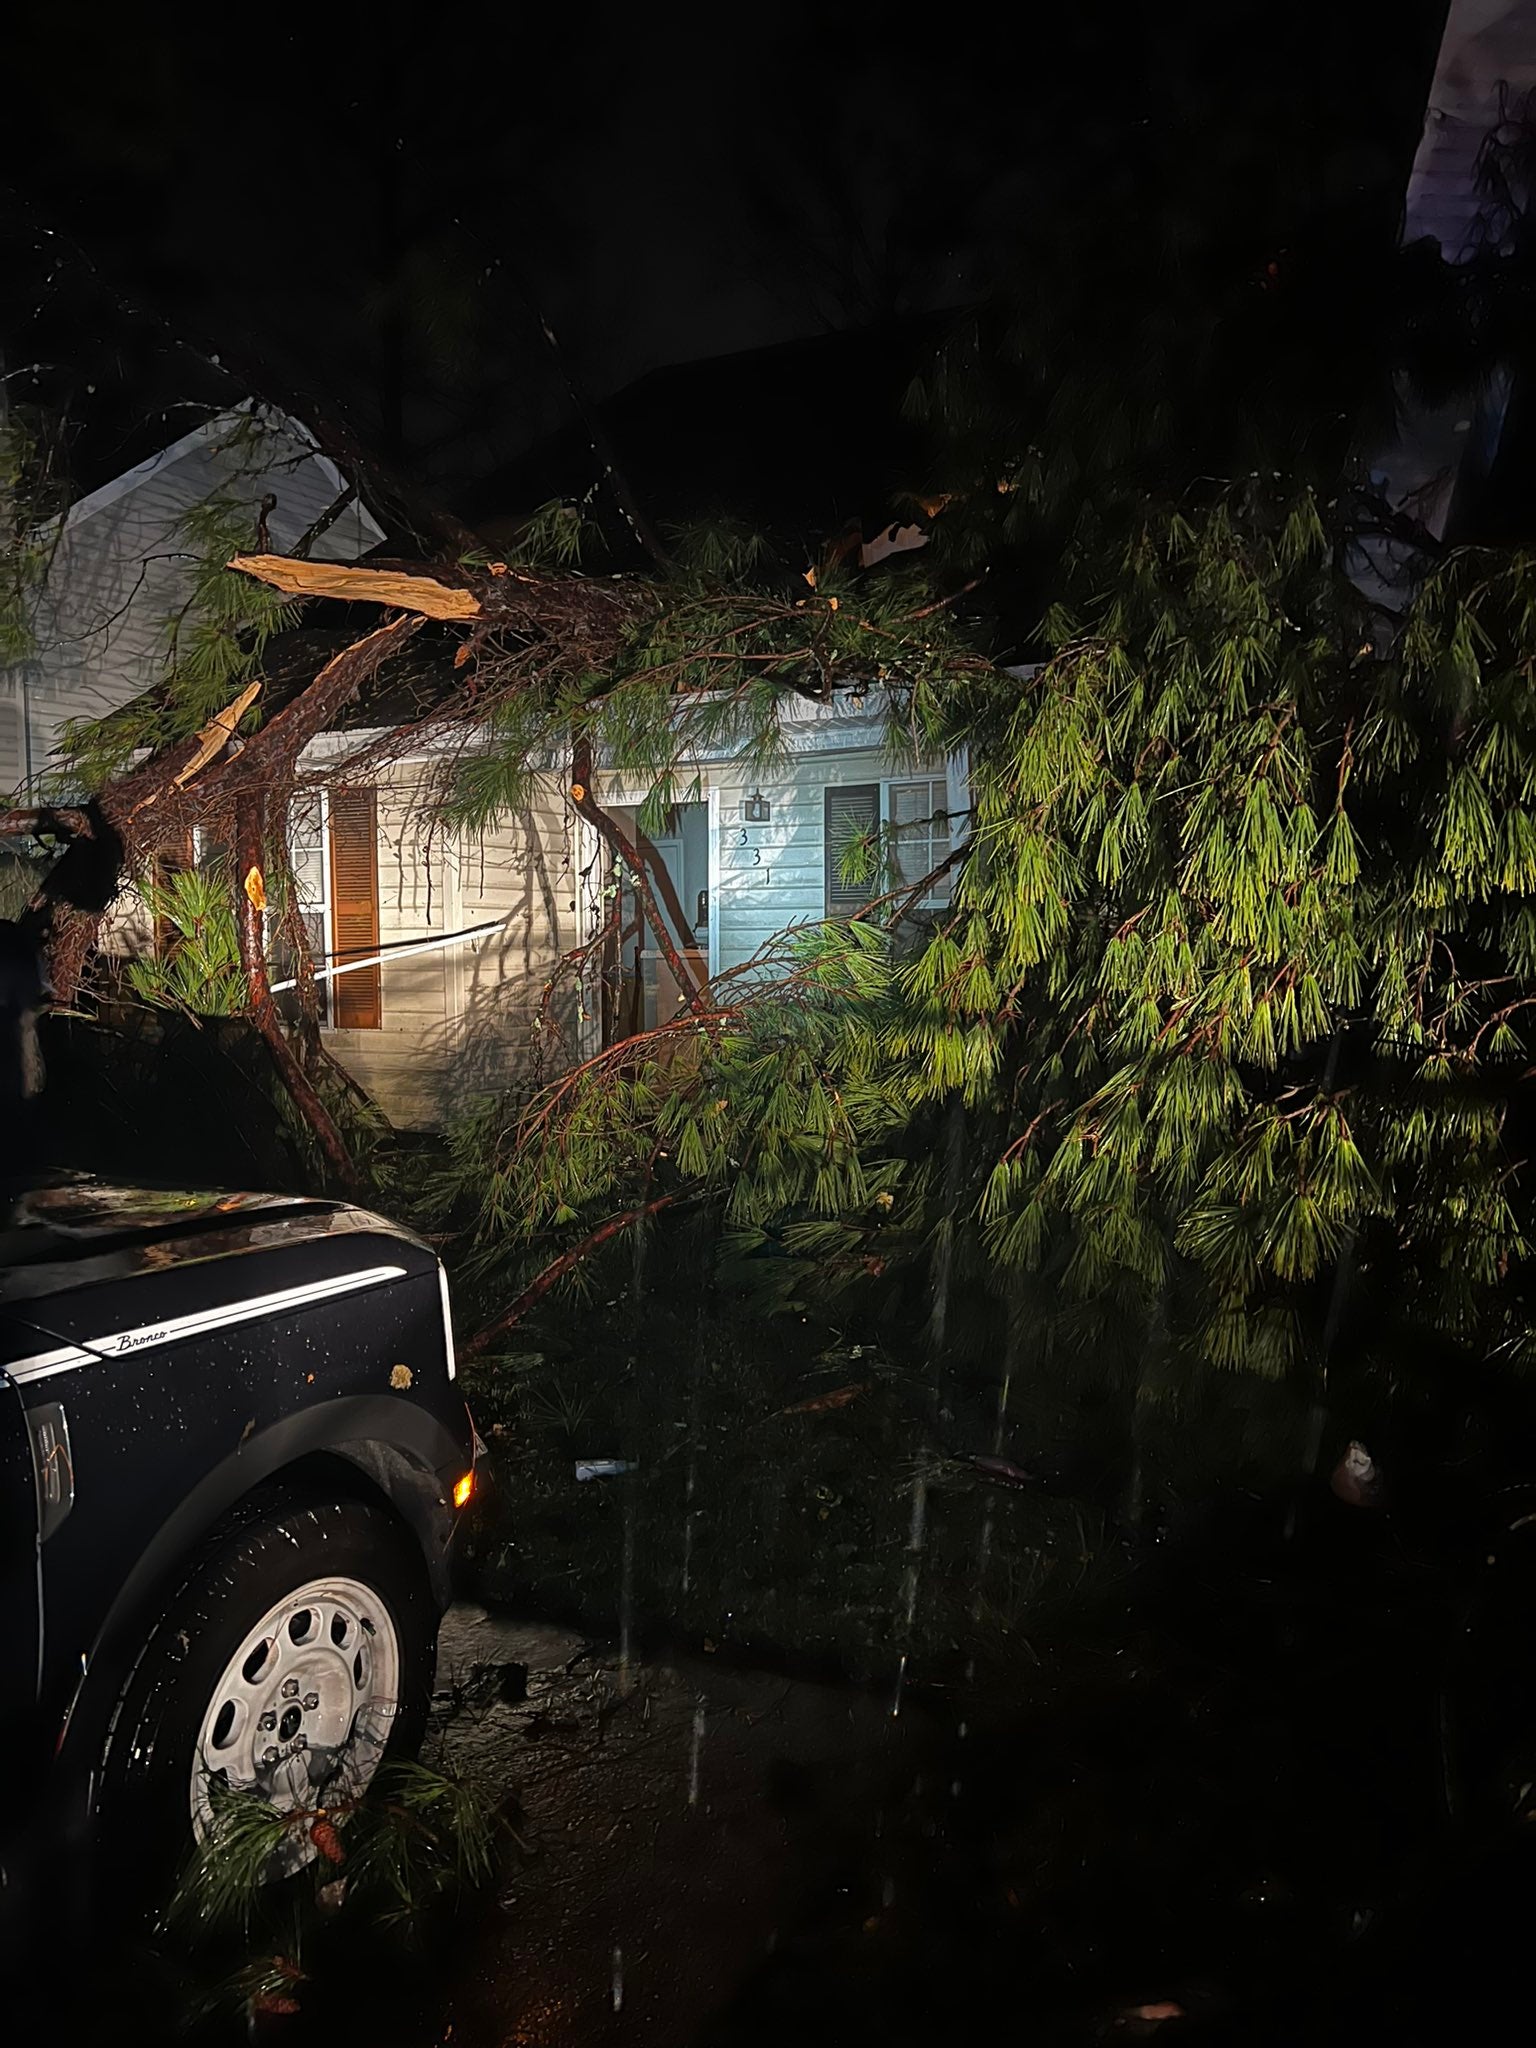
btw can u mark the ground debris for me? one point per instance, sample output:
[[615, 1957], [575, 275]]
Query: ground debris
[[822, 1404]]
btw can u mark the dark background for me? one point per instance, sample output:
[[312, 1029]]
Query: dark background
[[375, 214]]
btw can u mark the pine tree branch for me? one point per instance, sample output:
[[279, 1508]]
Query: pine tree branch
[[912, 893], [556, 1271], [322, 526], [943, 604], [275, 750], [634, 862], [574, 964]]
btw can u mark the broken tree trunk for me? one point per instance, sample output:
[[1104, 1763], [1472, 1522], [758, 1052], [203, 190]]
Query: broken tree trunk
[[431, 594], [250, 900], [161, 800], [581, 620]]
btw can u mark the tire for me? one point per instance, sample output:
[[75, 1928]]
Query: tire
[[308, 1633]]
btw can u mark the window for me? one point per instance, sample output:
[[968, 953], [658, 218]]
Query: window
[[917, 827], [333, 851], [308, 835], [911, 822]]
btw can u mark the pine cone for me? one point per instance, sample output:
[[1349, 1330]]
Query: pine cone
[[325, 1838]]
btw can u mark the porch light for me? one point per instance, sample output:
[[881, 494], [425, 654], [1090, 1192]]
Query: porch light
[[756, 808]]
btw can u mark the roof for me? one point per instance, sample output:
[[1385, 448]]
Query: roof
[[113, 387], [800, 438], [211, 434]]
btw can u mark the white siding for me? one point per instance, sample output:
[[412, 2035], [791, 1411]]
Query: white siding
[[13, 751], [767, 878], [774, 875], [402, 1063], [458, 1023], [528, 873], [1485, 73], [120, 573]]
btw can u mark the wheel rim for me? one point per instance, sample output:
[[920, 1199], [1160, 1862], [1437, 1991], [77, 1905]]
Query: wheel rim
[[304, 1709]]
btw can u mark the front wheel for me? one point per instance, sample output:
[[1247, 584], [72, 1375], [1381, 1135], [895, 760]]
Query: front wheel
[[294, 1660]]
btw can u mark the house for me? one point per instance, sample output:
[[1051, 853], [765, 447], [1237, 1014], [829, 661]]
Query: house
[[446, 938], [438, 947], [120, 565], [119, 576], [449, 939], [752, 855], [457, 935]]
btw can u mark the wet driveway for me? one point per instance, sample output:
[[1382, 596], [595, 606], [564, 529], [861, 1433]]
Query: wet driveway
[[671, 1822], [717, 1855]]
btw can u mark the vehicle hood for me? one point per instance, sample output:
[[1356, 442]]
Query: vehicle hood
[[75, 1232]]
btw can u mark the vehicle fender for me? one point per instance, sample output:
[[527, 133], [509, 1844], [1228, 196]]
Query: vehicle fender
[[406, 1453]]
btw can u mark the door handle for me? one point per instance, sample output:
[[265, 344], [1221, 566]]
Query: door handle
[[53, 1465]]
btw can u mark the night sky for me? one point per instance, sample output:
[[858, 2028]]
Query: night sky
[[374, 217]]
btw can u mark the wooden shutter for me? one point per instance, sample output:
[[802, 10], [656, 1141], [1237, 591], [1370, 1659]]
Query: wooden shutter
[[355, 907], [852, 811]]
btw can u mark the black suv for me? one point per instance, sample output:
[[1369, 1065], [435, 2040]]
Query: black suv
[[231, 1455]]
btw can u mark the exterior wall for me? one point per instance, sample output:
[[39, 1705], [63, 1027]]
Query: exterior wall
[[13, 738], [120, 572], [532, 873], [459, 1022], [1484, 76], [1485, 73], [766, 878], [403, 1064], [456, 1022], [772, 876]]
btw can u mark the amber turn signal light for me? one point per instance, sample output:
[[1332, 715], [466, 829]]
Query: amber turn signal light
[[462, 1489]]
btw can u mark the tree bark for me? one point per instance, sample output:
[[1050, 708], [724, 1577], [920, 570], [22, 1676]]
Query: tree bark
[[281, 741], [250, 855], [616, 842]]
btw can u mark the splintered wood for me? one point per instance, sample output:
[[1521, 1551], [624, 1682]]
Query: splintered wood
[[348, 580]]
